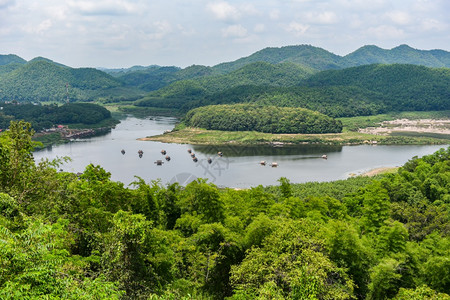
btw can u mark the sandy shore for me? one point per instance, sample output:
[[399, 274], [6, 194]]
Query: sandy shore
[[405, 125], [381, 170]]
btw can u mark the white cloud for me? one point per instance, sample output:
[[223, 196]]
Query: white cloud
[[399, 17], [234, 31], [325, 17], [259, 28], [6, 3], [433, 24], [297, 28], [160, 30], [224, 11], [386, 32], [44, 25], [274, 14], [103, 7], [361, 5]]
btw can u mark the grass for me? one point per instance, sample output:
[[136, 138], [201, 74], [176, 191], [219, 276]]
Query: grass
[[350, 135], [199, 136]]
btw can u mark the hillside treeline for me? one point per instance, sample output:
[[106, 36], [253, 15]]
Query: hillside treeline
[[47, 116], [272, 119], [64, 235], [45, 81], [364, 90]]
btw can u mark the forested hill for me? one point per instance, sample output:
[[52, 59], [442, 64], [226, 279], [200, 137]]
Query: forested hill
[[404, 86], [47, 116], [402, 54], [262, 74], [320, 59], [44, 80], [154, 78], [305, 55], [364, 90], [271, 119], [10, 59]]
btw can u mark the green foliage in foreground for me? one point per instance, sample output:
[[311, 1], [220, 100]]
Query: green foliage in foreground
[[68, 236], [248, 117]]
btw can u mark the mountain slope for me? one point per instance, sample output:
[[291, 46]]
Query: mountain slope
[[404, 86], [43, 80], [402, 54], [260, 73], [11, 58], [320, 59], [305, 55]]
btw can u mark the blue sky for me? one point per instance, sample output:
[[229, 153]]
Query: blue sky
[[123, 33]]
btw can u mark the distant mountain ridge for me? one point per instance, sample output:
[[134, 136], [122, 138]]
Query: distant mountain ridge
[[11, 59], [42, 79], [320, 59]]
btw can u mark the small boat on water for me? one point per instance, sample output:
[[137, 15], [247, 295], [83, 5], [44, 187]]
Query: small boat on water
[[159, 162], [274, 165], [167, 157], [220, 153], [262, 163], [163, 152]]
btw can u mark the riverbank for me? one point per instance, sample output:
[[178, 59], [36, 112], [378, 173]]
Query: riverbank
[[379, 171], [63, 134], [199, 136]]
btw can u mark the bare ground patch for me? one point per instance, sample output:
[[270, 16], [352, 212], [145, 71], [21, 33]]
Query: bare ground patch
[[405, 125]]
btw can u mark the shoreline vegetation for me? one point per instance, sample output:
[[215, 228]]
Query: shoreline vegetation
[[404, 128]]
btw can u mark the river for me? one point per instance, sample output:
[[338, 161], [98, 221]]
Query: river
[[239, 167]]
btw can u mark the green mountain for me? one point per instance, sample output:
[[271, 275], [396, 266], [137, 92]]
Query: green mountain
[[334, 101], [122, 71], [305, 55], [402, 54], [44, 80], [356, 91], [320, 59], [405, 87], [11, 59], [154, 78], [262, 74]]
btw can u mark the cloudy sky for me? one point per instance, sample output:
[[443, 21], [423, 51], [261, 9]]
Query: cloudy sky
[[123, 33]]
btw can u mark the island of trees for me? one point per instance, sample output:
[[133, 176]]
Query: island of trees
[[84, 236], [267, 118]]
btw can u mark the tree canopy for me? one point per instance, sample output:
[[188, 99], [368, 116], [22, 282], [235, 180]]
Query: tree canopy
[[84, 236]]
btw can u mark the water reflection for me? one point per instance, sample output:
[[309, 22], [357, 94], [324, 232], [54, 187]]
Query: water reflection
[[309, 151]]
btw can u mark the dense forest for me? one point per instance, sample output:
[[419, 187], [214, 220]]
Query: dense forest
[[83, 236], [333, 101], [321, 59], [368, 81], [365, 90], [271, 119], [258, 73], [41, 80], [405, 87], [47, 116]]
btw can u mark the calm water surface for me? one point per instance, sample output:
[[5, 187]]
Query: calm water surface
[[239, 167]]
